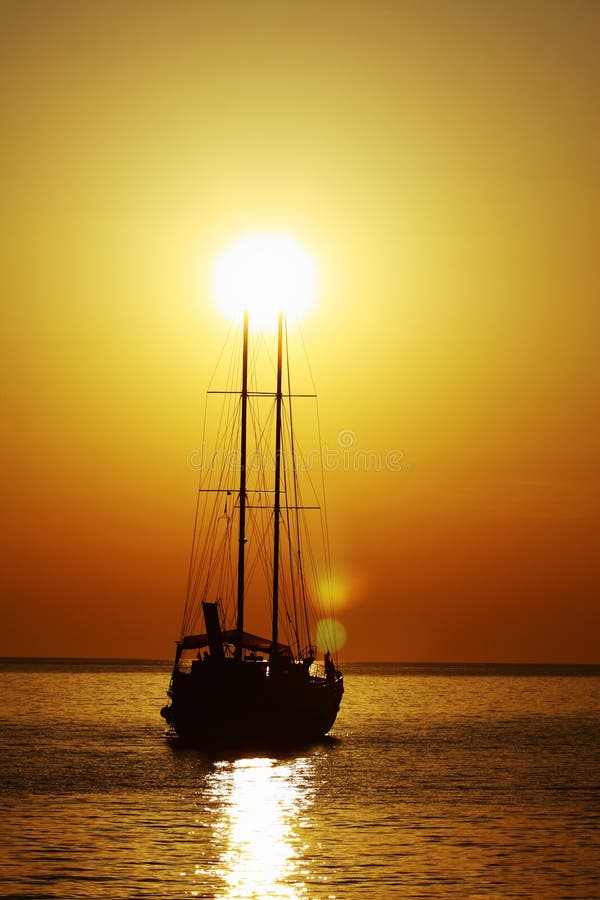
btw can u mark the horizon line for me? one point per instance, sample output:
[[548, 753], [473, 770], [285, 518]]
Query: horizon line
[[398, 662]]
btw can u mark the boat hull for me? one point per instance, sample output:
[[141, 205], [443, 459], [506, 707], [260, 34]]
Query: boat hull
[[238, 703]]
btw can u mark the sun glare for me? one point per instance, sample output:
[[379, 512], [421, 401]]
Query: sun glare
[[265, 273]]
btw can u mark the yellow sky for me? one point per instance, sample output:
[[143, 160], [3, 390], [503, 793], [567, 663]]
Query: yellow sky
[[440, 160]]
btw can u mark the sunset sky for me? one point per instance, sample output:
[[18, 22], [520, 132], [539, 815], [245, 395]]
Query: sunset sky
[[440, 161]]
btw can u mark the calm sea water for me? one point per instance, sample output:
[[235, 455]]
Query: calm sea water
[[440, 782]]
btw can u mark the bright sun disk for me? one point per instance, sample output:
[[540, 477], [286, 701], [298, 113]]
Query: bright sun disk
[[265, 273]]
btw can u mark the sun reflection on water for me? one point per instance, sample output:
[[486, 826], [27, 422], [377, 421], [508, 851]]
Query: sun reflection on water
[[258, 813]]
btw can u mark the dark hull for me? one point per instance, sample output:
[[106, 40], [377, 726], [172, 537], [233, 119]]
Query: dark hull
[[239, 703]]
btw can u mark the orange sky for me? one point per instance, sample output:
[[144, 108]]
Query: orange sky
[[440, 160]]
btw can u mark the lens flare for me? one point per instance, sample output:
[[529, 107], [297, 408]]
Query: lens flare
[[331, 635], [335, 589]]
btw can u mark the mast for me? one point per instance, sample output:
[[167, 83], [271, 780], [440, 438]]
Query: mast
[[242, 534], [277, 502]]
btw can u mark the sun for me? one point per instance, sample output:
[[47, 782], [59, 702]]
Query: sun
[[265, 273]]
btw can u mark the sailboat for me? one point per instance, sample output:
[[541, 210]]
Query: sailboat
[[229, 685]]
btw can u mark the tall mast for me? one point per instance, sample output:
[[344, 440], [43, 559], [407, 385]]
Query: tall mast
[[277, 503], [242, 536]]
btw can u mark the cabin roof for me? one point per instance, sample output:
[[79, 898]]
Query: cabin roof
[[249, 642]]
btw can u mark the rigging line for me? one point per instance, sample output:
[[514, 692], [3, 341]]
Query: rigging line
[[308, 603], [304, 539], [231, 375], [263, 521], [264, 442], [313, 566], [222, 445], [221, 572], [218, 573], [220, 568], [254, 356], [262, 339], [211, 565], [227, 413], [210, 470], [209, 559], [251, 407], [192, 548], [261, 436], [292, 580], [220, 357], [287, 621], [194, 532], [295, 483], [261, 446], [228, 611], [191, 609], [305, 460], [201, 591], [324, 513], [225, 427], [324, 516], [218, 557], [230, 406], [288, 530], [190, 567], [254, 520], [303, 590], [306, 357], [204, 563], [324, 523], [288, 428], [260, 556], [227, 442]]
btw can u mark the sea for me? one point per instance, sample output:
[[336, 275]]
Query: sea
[[438, 781]]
